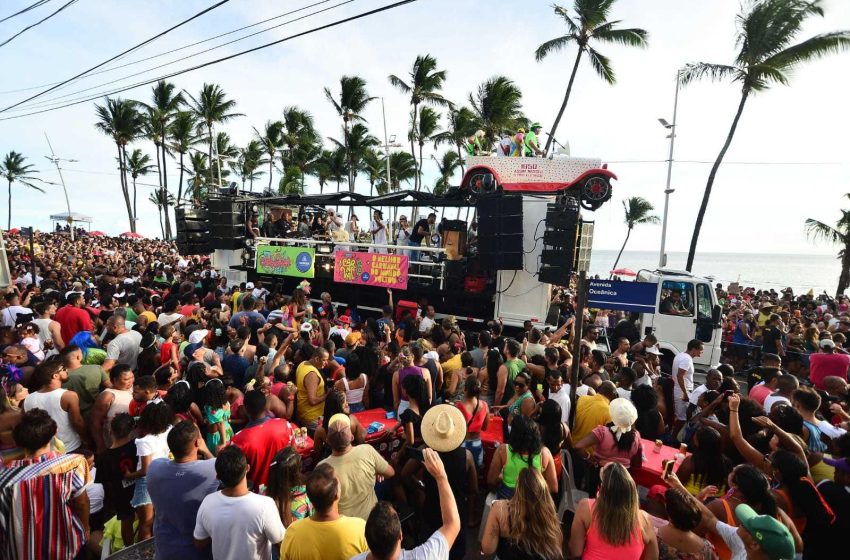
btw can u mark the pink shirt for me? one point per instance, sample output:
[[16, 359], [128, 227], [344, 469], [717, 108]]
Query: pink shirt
[[597, 548], [606, 451], [824, 365], [759, 393]]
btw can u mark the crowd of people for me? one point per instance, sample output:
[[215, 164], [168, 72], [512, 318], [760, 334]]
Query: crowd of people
[[144, 395]]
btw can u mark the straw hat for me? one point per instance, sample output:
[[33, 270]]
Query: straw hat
[[443, 428]]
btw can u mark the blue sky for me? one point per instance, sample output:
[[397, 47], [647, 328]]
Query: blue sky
[[754, 207]]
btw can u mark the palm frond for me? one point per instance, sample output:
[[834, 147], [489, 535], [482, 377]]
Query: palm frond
[[699, 70], [571, 25], [553, 45], [634, 37], [399, 84], [819, 231], [602, 65], [814, 48]]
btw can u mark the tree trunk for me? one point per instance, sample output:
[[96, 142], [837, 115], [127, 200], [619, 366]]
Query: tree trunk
[[9, 223], [348, 159], [623, 248], [564, 104], [844, 278], [701, 215], [419, 172], [180, 183], [460, 160], [124, 189], [271, 167], [161, 229], [251, 183], [412, 145], [165, 187], [209, 160], [165, 211], [135, 208]]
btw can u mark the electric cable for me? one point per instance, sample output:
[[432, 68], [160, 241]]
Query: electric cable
[[36, 24], [216, 61], [139, 45], [28, 8]]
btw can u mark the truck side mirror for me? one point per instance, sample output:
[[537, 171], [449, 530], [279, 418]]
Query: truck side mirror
[[716, 313]]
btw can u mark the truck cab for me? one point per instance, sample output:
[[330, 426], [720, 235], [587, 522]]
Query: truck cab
[[686, 308]]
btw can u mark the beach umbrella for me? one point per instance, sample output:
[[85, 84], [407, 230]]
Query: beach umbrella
[[623, 272], [132, 235], [15, 231], [97, 233]]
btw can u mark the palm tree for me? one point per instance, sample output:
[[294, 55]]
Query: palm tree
[[162, 200], [353, 99], [359, 141], [291, 182], [320, 168], [590, 25], [374, 165], [271, 140], [461, 124], [448, 164], [300, 139], [423, 87], [838, 235], [224, 152], [337, 169], [637, 210], [497, 107], [403, 169], [13, 168], [120, 120], [182, 134], [426, 129], [139, 164], [212, 107], [767, 56], [248, 162], [200, 170]]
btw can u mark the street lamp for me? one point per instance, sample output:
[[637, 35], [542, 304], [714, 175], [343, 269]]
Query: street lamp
[[662, 257], [55, 160]]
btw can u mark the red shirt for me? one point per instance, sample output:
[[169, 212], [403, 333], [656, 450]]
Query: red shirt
[[824, 365], [72, 320], [759, 393], [260, 443]]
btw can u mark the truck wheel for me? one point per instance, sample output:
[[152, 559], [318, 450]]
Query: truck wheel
[[595, 191]]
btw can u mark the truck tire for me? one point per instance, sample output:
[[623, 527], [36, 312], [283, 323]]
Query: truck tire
[[595, 191]]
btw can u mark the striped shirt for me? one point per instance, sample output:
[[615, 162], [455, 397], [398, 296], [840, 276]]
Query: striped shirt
[[36, 520]]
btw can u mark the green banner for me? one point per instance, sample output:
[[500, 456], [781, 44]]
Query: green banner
[[282, 260]]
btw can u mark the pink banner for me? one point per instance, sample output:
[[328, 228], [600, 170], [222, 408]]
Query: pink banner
[[371, 269]]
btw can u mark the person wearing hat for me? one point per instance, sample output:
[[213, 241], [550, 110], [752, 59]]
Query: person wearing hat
[[617, 441], [757, 537], [836, 492], [765, 311], [379, 232], [532, 147], [356, 468], [827, 363], [402, 235], [383, 528], [772, 336]]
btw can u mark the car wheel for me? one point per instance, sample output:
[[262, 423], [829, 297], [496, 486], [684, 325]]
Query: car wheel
[[595, 191]]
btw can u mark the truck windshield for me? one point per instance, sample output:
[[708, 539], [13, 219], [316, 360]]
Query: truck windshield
[[677, 298]]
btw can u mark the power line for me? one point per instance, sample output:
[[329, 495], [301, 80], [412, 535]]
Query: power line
[[218, 60], [36, 24], [196, 43], [143, 43], [56, 100], [736, 162], [28, 8]]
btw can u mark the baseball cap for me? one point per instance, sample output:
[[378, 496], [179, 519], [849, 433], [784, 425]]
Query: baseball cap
[[842, 463], [772, 536], [352, 338], [249, 286], [827, 343], [198, 336], [339, 431], [653, 350]]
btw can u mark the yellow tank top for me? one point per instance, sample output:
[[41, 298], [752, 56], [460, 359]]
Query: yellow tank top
[[307, 413]]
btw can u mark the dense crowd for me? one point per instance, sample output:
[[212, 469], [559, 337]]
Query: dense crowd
[[145, 396]]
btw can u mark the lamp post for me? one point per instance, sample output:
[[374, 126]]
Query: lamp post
[[662, 257], [55, 160]]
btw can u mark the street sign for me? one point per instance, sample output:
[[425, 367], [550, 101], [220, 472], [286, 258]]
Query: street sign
[[622, 296]]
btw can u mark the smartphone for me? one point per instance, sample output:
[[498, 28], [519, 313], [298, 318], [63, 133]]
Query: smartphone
[[667, 468], [415, 453]]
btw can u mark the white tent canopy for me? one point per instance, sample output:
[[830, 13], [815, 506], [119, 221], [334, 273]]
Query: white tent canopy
[[66, 217]]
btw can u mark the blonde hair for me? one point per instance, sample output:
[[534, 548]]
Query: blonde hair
[[405, 356], [617, 509], [534, 523]]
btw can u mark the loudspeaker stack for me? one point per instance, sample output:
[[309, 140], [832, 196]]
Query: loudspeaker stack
[[557, 258], [500, 232]]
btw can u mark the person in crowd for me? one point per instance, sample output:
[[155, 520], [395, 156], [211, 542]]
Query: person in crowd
[[109, 403], [72, 318], [217, 415], [125, 345], [177, 486], [706, 465], [379, 232], [62, 405], [356, 468], [785, 387], [612, 525], [235, 522], [827, 363], [310, 388], [524, 449], [678, 540], [54, 525], [118, 494], [286, 486], [593, 410], [336, 403], [477, 417], [87, 381], [355, 384], [554, 431], [683, 375], [262, 437], [328, 534]]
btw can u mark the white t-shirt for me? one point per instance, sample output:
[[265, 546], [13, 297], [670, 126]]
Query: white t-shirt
[[645, 379], [435, 548], [624, 393], [730, 536], [772, 400], [694, 395], [581, 390], [426, 324], [684, 361], [155, 445], [562, 397], [242, 527], [11, 313], [380, 236]]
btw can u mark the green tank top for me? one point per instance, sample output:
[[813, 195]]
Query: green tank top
[[514, 465], [514, 367]]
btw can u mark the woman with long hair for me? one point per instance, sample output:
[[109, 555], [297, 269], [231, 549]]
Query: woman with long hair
[[707, 465], [677, 540], [11, 414], [612, 525], [217, 415], [476, 414], [493, 363], [336, 403], [649, 422], [420, 402], [524, 449], [553, 432], [525, 527], [286, 487], [179, 398]]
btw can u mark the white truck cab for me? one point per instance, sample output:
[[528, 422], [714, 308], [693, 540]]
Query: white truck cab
[[686, 308]]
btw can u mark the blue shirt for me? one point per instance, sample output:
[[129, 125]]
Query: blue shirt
[[236, 367], [255, 320], [177, 490]]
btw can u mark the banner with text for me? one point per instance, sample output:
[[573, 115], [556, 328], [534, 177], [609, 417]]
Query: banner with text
[[282, 260], [371, 269], [622, 296]]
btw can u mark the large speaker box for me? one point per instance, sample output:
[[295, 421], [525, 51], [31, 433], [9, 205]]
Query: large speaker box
[[500, 232], [227, 223]]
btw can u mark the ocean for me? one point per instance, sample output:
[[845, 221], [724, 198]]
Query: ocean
[[800, 272]]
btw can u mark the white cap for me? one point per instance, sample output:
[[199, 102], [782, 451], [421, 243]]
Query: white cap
[[249, 286], [198, 336], [827, 343]]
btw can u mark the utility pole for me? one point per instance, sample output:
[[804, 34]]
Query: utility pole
[[55, 160], [662, 258], [582, 253]]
